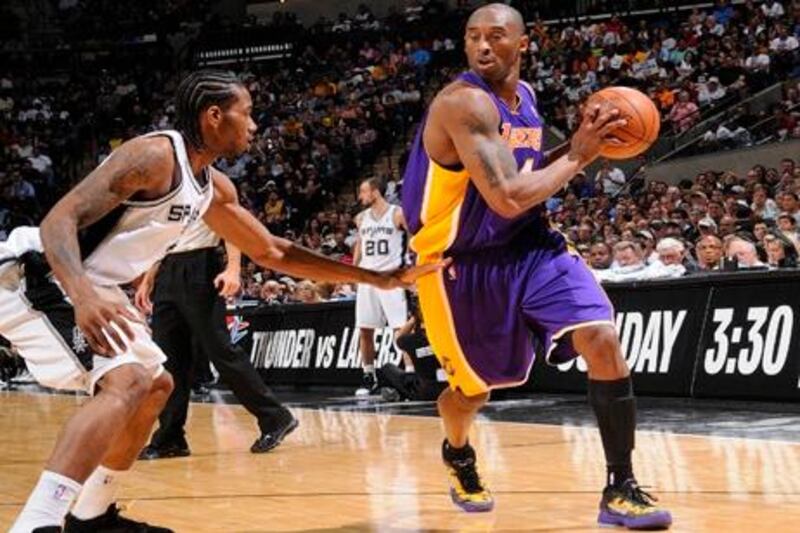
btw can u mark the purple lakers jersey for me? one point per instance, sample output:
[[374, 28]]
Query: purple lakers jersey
[[445, 211]]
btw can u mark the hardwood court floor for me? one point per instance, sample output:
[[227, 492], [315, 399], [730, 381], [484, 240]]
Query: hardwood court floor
[[344, 471]]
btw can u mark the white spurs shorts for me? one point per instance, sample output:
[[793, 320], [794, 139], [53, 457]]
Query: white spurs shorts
[[39, 321], [377, 307]]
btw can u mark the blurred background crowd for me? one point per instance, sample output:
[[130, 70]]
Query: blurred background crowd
[[344, 104]]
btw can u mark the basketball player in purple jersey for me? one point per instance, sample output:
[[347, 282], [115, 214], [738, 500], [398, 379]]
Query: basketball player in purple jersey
[[473, 191]]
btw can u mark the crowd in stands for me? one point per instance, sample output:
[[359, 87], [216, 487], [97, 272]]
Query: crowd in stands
[[709, 59], [336, 107], [717, 222]]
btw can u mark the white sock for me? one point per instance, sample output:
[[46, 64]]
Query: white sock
[[369, 369], [410, 369], [99, 491], [48, 504]]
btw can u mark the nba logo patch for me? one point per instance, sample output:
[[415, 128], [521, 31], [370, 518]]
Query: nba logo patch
[[60, 492]]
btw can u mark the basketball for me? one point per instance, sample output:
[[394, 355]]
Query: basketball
[[643, 125]]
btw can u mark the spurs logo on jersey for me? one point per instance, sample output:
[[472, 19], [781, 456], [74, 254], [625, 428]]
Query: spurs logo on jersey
[[382, 243], [127, 241], [131, 238]]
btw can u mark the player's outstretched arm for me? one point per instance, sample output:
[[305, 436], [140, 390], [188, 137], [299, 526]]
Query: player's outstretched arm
[[235, 224], [470, 121], [138, 165]]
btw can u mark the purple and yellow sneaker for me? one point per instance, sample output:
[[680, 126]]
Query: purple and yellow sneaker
[[466, 488], [629, 506]]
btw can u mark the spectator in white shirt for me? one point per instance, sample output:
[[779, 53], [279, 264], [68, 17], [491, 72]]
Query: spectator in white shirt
[[784, 42], [711, 93], [628, 263], [758, 62], [671, 253], [40, 162], [772, 9], [612, 178], [763, 206]]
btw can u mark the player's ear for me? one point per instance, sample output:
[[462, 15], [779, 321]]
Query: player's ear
[[214, 115], [524, 41]]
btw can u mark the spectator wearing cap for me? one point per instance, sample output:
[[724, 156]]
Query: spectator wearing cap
[[709, 252], [672, 229], [710, 93], [647, 242]]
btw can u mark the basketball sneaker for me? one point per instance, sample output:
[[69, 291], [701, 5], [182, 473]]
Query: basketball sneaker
[[272, 439], [629, 506], [168, 451], [466, 488], [369, 385], [110, 522]]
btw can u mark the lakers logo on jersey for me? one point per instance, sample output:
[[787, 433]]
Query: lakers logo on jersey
[[522, 137]]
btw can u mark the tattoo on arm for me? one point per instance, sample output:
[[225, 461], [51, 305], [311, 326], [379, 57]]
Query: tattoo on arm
[[128, 171], [497, 162]]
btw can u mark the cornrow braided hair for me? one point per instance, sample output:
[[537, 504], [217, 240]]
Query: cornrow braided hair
[[197, 92]]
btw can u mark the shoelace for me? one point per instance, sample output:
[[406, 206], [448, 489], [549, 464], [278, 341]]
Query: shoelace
[[640, 496], [468, 475]]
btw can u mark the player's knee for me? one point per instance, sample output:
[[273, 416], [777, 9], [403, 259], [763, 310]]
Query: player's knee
[[163, 384], [462, 402], [131, 384], [597, 343]]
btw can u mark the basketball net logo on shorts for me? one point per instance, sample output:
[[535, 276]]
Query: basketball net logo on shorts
[[79, 343]]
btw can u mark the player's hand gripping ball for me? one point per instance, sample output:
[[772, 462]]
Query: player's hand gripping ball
[[644, 121]]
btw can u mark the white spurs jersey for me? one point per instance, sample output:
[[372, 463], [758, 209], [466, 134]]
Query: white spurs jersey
[[196, 237], [383, 245], [133, 236]]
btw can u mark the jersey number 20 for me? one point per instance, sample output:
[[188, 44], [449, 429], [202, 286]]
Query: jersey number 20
[[380, 247]]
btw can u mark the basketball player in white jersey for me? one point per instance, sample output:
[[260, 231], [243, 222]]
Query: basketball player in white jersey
[[65, 313], [381, 246]]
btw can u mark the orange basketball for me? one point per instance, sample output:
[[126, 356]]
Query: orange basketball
[[644, 121]]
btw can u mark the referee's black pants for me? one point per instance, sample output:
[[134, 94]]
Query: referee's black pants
[[186, 305]]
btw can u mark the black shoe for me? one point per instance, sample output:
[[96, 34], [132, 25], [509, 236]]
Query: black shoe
[[110, 522], [268, 441], [48, 529], [201, 390], [151, 452], [629, 506], [369, 385], [467, 490]]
